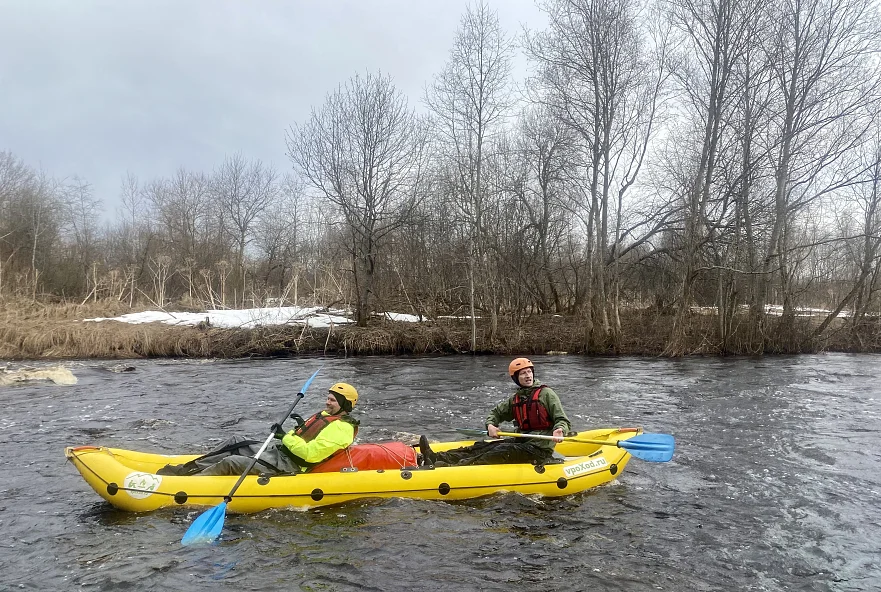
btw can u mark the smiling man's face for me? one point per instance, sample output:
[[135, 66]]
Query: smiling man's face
[[525, 377], [331, 406]]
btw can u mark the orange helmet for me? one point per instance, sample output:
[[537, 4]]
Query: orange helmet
[[517, 365]]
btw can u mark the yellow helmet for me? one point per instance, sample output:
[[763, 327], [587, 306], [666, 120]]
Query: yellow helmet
[[347, 391]]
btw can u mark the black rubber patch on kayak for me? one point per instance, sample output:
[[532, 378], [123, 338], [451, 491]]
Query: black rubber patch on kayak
[[317, 494], [613, 469], [406, 474], [562, 483], [262, 480], [539, 469], [181, 497], [443, 488], [112, 488]]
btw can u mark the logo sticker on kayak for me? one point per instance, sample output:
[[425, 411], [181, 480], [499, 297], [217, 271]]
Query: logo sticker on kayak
[[584, 467], [141, 485]]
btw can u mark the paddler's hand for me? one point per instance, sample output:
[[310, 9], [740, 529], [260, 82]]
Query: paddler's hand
[[558, 435], [492, 431], [277, 431], [299, 419]]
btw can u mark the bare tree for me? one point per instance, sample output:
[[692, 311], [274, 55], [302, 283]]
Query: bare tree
[[81, 212], [470, 100], [30, 223], [279, 234], [601, 79], [826, 77], [744, 185], [15, 178], [133, 215], [864, 244], [547, 149], [243, 190], [716, 35], [184, 216], [363, 151], [132, 231]]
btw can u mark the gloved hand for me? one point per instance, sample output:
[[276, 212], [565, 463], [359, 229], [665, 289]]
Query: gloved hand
[[277, 431], [299, 419]]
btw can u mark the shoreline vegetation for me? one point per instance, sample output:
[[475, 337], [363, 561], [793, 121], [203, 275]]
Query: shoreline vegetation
[[676, 213], [32, 330]]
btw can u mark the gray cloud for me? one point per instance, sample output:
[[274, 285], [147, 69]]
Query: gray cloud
[[98, 88]]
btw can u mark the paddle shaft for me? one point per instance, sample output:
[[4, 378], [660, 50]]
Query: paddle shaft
[[260, 452], [649, 447], [565, 439]]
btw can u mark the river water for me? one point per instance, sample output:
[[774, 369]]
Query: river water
[[775, 484]]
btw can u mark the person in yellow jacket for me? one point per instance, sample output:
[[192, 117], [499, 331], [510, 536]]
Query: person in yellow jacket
[[312, 441], [318, 437]]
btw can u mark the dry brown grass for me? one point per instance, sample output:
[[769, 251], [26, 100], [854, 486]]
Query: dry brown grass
[[13, 310], [32, 330], [56, 331]]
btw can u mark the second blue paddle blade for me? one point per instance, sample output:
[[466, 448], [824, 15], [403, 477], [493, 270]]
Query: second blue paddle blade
[[206, 528]]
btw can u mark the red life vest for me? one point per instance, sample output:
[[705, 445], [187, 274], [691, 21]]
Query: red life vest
[[529, 413], [312, 426], [310, 430]]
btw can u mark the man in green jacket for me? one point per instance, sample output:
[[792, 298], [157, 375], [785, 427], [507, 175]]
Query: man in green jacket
[[311, 442], [534, 409]]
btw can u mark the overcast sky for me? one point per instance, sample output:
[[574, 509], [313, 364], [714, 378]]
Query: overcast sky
[[98, 88]]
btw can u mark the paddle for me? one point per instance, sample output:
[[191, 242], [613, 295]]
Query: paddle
[[649, 447], [208, 525]]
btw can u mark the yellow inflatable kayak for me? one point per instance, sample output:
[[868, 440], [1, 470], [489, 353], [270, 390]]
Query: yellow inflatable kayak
[[128, 480]]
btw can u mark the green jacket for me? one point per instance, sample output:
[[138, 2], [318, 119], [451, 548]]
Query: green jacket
[[504, 411], [335, 436]]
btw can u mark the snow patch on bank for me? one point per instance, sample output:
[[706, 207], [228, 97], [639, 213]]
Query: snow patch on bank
[[399, 316], [238, 319], [250, 317]]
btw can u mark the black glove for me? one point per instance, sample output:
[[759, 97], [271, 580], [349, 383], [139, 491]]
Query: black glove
[[277, 431], [300, 421]]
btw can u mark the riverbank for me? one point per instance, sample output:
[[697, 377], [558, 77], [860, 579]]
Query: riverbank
[[32, 331]]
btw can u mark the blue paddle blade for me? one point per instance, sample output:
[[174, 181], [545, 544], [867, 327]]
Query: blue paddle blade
[[649, 455], [650, 447], [311, 378], [665, 440], [206, 528]]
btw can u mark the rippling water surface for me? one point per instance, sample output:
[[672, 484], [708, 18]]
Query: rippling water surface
[[775, 484]]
